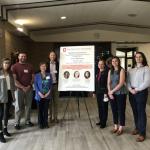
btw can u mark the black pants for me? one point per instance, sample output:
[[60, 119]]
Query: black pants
[[102, 109], [43, 106], [138, 105], [118, 106], [4, 111]]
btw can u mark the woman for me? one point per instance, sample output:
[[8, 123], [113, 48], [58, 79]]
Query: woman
[[101, 93], [117, 93], [43, 85], [7, 88], [138, 83]]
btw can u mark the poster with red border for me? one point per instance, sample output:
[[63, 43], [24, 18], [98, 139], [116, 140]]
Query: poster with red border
[[76, 69]]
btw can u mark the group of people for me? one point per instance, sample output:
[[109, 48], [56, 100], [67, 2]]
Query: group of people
[[16, 86], [114, 83]]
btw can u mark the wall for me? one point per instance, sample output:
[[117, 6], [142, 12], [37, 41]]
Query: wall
[[91, 35], [39, 52], [14, 43], [2, 41]]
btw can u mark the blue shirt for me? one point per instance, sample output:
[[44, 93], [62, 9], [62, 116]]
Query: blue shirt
[[42, 85]]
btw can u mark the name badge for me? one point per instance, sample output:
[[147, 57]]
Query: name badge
[[26, 71], [48, 77], [2, 77]]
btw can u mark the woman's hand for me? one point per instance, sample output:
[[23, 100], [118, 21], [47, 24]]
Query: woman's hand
[[41, 95]]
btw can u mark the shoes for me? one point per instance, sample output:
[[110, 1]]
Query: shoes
[[119, 132], [5, 132], [29, 124], [2, 139], [135, 132], [140, 138], [98, 123], [114, 130], [17, 127], [102, 126]]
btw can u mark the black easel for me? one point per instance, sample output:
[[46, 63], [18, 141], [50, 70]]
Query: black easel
[[78, 103]]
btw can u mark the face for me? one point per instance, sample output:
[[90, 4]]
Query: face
[[115, 62], [77, 74], [52, 56], [138, 58], [6, 65], [43, 67], [101, 65], [22, 58]]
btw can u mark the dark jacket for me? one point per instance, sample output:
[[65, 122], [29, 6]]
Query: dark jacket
[[101, 84], [57, 69]]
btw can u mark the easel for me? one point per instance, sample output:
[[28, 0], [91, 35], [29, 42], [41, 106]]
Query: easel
[[78, 103]]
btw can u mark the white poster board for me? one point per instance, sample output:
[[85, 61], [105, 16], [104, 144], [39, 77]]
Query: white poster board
[[76, 69]]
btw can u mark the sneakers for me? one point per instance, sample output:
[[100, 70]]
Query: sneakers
[[5, 132], [29, 124], [2, 139], [17, 127]]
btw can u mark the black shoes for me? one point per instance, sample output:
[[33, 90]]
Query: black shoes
[[2, 139], [98, 123], [17, 127], [102, 126], [29, 124], [5, 132]]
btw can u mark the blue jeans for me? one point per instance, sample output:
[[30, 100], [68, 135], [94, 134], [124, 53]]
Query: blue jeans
[[138, 105], [118, 106]]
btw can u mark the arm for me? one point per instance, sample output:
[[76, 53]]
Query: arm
[[37, 87], [108, 86], [17, 83], [108, 81], [121, 82]]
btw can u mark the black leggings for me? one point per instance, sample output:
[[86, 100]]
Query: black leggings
[[4, 111]]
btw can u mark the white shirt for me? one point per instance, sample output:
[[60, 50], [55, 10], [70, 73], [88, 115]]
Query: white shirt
[[53, 71], [139, 78], [8, 82]]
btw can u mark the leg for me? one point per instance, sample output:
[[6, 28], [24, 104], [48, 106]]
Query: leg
[[2, 139], [45, 113], [134, 109], [19, 105], [114, 110], [55, 102], [40, 114], [28, 103], [141, 99], [99, 97], [121, 102], [1, 116]]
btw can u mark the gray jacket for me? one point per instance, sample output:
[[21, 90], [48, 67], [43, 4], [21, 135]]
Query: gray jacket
[[3, 87]]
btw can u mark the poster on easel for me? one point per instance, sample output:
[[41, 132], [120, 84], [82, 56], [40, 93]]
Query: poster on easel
[[76, 69]]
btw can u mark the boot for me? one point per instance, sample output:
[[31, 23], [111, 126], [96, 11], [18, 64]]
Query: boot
[[2, 139], [6, 132]]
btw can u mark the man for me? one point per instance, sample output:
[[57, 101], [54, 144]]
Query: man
[[53, 68], [24, 76]]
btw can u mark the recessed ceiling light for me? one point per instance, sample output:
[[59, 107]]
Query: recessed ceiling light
[[132, 15], [63, 17], [21, 21], [20, 29]]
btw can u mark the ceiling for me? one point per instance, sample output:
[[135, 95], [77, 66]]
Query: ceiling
[[42, 15]]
